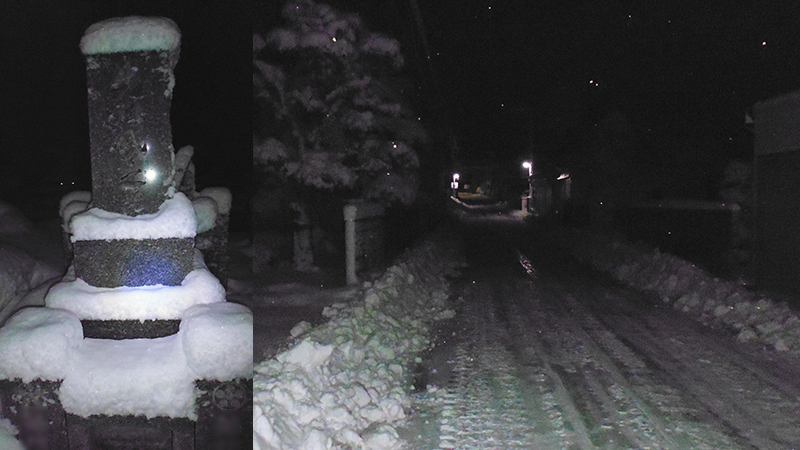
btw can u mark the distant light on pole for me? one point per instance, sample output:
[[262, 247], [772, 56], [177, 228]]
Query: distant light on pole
[[529, 166]]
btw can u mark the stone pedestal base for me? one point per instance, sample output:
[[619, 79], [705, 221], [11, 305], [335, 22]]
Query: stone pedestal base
[[225, 415], [128, 432], [134, 262], [129, 329], [224, 421]]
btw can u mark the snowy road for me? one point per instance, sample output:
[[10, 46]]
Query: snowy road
[[563, 357]]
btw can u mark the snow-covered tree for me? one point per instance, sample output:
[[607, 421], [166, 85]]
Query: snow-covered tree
[[329, 110], [330, 90]]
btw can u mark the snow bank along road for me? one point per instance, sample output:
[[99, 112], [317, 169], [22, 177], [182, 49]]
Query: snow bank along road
[[560, 356], [547, 354]]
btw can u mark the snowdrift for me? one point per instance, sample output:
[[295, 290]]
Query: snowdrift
[[688, 288], [28, 259], [344, 384]]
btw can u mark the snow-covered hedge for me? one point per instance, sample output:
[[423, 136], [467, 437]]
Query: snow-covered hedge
[[689, 288], [344, 384]]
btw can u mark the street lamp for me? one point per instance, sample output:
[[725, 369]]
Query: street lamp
[[454, 185], [528, 165]]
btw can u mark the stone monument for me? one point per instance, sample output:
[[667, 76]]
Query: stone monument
[[136, 346]]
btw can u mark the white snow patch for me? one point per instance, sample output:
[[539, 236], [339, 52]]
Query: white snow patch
[[307, 355], [218, 340], [69, 211], [39, 343], [84, 197], [131, 34], [148, 377], [220, 195], [175, 219], [7, 433], [205, 211], [140, 302]]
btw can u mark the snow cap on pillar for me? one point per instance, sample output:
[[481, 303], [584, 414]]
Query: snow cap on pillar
[[131, 34]]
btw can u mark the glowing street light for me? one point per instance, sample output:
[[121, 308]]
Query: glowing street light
[[529, 166]]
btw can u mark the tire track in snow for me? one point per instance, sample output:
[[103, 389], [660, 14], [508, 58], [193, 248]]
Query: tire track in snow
[[632, 406], [610, 416], [707, 371], [489, 405], [739, 395]]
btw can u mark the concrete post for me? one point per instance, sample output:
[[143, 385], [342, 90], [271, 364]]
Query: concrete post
[[357, 247]]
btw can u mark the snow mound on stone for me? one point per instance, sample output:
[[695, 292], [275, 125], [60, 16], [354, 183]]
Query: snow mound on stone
[[175, 219], [344, 384], [140, 302], [218, 340], [131, 34], [221, 196], [205, 210], [148, 377], [39, 343]]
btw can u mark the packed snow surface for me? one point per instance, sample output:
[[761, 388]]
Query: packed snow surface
[[344, 384], [131, 34], [175, 219], [140, 302], [150, 377]]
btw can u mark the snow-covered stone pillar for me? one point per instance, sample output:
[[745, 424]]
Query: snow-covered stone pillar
[[139, 231], [129, 70]]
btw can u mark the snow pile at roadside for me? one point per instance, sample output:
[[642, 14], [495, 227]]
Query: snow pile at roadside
[[689, 288], [344, 384]]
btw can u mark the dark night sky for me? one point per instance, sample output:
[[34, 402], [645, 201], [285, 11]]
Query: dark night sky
[[507, 74], [672, 67], [44, 137]]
